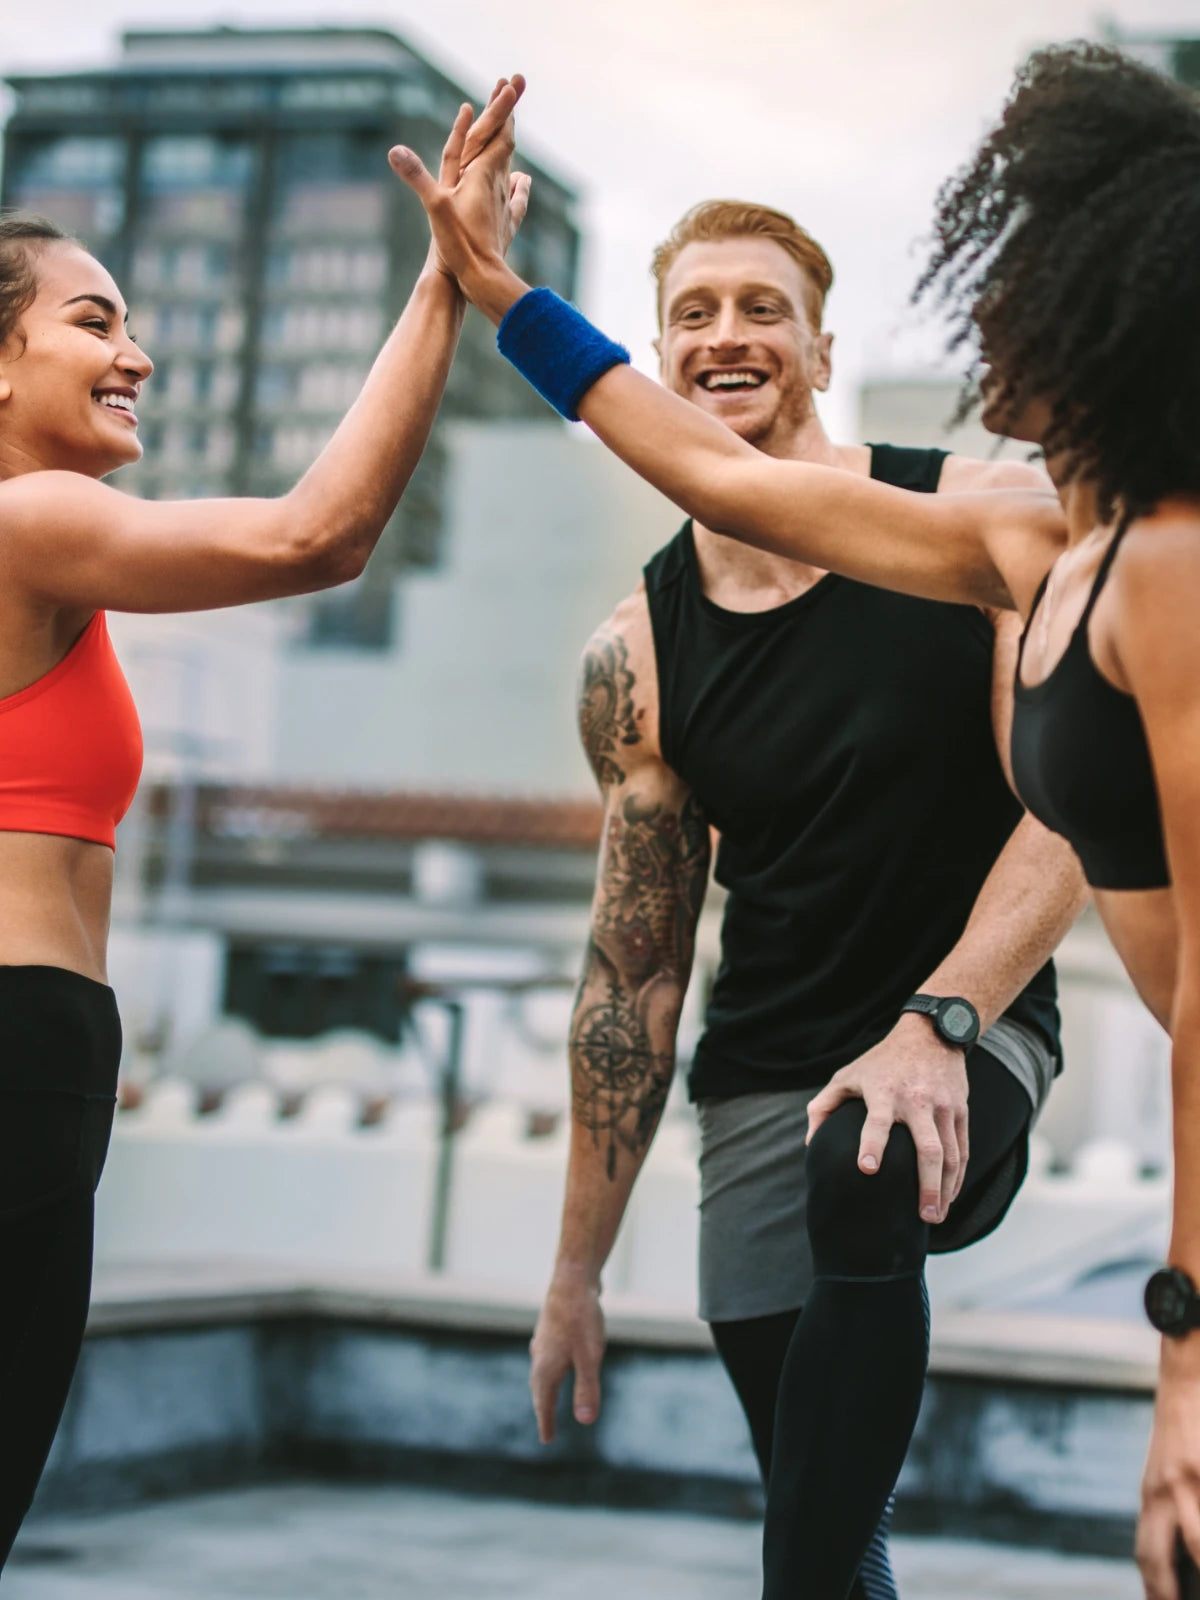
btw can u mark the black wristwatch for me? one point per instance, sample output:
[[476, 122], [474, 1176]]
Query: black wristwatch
[[955, 1020], [1172, 1303]]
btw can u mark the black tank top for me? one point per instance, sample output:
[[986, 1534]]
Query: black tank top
[[1082, 765], [843, 746]]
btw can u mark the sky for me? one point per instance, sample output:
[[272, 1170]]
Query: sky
[[847, 113]]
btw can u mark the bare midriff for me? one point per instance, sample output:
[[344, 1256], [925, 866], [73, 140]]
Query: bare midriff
[[55, 903], [1142, 926]]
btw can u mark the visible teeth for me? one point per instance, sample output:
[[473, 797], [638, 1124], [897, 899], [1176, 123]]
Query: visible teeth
[[116, 402], [733, 380]]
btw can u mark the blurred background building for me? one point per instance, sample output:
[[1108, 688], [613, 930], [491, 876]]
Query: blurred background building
[[235, 182]]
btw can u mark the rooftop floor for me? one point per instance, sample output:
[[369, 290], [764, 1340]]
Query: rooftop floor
[[321, 1542]]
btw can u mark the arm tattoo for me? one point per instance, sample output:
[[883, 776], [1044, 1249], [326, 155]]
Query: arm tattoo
[[635, 971], [606, 715]]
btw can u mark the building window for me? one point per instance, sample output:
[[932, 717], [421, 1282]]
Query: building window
[[76, 182], [69, 163], [294, 992], [272, 385], [195, 162]]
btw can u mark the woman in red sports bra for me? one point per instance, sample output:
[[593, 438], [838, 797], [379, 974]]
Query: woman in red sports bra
[[1068, 248], [70, 744]]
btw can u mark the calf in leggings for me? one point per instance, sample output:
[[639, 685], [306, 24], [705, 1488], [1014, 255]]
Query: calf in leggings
[[70, 743], [842, 742]]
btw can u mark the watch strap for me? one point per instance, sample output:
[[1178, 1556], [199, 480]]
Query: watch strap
[[926, 1004]]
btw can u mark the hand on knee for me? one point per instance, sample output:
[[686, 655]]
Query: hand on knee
[[863, 1224]]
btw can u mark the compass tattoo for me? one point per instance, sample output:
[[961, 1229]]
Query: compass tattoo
[[654, 870]]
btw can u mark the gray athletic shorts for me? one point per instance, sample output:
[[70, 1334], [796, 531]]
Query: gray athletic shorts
[[754, 1252]]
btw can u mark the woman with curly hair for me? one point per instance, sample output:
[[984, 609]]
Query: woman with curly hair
[[1068, 250], [70, 742]]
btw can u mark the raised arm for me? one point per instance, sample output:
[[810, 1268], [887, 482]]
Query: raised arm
[[991, 548], [69, 541], [651, 878]]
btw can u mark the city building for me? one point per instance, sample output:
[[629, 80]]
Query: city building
[[235, 181]]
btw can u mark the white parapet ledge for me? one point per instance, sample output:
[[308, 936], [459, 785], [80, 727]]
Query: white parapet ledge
[[1000, 1346]]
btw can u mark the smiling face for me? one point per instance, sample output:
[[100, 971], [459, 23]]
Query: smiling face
[[742, 337], [70, 374]]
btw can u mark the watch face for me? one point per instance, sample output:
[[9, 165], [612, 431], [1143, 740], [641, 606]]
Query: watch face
[[1168, 1300], [957, 1021]]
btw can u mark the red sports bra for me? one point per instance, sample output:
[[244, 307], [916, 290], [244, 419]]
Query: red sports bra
[[71, 745]]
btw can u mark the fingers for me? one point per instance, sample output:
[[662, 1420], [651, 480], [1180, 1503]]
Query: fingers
[[930, 1161], [944, 1121], [877, 1130], [452, 152], [1156, 1546], [545, 1381], [825, 1104], [494, 120], [518, 198], [544, 1384], [407, 164], [587, 1390], [962, 1131]]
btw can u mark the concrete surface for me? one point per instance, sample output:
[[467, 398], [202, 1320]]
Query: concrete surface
[[311, 1542]]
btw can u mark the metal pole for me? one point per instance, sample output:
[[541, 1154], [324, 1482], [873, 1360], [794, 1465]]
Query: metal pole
[[450, 1087]]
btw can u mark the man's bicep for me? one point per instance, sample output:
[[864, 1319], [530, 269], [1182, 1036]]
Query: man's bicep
[[608, 714]]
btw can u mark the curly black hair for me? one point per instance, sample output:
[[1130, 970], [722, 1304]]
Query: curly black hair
[[1068, 251]]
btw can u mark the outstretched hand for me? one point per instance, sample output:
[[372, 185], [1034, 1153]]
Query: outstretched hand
[[475, 204]]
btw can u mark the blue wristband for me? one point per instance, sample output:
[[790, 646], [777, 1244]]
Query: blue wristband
[[556, 349]]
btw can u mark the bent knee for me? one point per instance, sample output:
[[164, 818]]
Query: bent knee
[[863, 1224]]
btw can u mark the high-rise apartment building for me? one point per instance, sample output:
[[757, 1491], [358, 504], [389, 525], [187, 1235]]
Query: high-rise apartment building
[[235, 181]]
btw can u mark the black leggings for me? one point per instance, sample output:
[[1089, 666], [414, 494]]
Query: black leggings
[[832, 1392], [753, 1351], [60, 1047]]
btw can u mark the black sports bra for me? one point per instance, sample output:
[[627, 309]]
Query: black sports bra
[[1081, 763]]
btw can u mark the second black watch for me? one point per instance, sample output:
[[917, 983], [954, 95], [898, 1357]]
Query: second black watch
[[1172, 1303], [955, 1020]]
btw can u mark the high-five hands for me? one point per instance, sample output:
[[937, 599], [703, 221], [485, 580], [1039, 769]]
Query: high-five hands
[[475, 204]]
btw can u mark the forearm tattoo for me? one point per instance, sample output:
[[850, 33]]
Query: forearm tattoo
[[606, 715], [653, 877]]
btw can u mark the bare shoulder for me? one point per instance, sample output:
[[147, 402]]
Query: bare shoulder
[[49, 498], [1157, 569], [964, 475], [618, 692], [1147, 613]]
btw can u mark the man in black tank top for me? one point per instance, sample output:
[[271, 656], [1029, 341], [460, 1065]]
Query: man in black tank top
[[839, 742]]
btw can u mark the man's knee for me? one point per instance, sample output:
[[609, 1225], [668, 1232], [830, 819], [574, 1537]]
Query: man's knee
[[860, 1224]]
